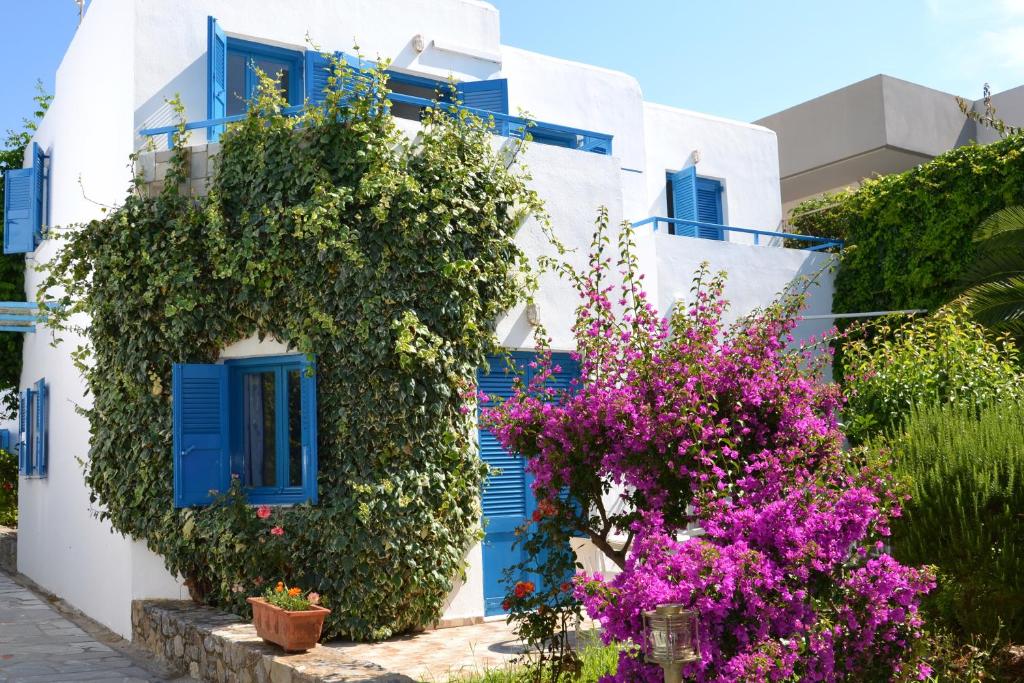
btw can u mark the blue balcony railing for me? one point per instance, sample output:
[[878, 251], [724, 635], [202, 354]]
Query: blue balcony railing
[[713, 231], [504, 124]]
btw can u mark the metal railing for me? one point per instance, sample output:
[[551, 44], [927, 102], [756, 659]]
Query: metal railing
[[22, 316], [714, 231], [504, 124]]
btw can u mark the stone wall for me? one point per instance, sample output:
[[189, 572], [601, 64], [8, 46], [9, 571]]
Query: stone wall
[[202, 161], [9, 550], [211, 645]]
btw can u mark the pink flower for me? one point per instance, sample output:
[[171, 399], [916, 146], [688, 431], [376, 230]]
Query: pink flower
[[263, 511], [277, 531], [314, 598]]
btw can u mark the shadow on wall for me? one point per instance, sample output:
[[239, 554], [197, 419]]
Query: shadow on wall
[[190, 85]]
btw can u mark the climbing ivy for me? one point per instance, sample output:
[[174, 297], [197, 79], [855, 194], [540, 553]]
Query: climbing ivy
[[389, 261], [911, 232]]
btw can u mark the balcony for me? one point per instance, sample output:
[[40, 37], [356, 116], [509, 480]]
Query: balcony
[[712, 231], [503, 124]]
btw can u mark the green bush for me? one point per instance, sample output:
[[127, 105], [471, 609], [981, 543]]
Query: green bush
[[8, 489], [964, 469], [913, 231], [939, 358]]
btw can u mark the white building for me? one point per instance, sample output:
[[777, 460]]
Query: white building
[[607, 147]]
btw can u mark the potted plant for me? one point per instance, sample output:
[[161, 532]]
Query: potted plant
[[287, 617]]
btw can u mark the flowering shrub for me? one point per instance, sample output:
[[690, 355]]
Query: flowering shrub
[[291, 599], [943, 358], [691, 422]]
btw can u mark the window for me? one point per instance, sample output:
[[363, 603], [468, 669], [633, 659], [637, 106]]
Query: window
[[415, 86], [245, 57], [254, 419], [694, 198], [33, 430]]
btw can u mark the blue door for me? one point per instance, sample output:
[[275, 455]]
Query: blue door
[[507, 497]]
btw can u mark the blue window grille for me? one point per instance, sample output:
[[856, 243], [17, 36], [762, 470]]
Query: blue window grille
[[252, 418]]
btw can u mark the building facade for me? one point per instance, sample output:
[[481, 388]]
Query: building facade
[[877, 126], [711, 184]]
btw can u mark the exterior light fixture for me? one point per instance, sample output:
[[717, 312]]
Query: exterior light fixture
[[671, 634], [695, 155], [418, 43], [532, 316]]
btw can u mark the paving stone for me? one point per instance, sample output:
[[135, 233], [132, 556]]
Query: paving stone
[[39, 645]]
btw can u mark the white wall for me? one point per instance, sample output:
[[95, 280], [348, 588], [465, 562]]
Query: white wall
[[88, 133], [743, 156]]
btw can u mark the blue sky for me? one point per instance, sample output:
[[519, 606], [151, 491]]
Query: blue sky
[[740, 59]]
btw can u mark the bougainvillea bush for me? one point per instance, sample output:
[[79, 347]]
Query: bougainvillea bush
[[693, 422]]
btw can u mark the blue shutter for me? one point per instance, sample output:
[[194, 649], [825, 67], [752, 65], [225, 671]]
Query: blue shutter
[[200, 425], [216, 77], [709, 207], [684, 199], [318, 71], [489, 96], [506, 495], [309, 436], [19, 211], [42, 418], [38, 193], [25, 433]]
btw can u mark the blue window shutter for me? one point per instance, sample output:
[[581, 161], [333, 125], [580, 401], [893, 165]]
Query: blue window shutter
[[684, 198], [217, 77], [25, 405], [709, 207], [318, 70], [309, 435], [38, 193], [42, 417], [20, 211], [200, 426], [489, 96]]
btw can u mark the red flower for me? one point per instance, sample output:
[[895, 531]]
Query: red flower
[[566, 587], [537, 515], [506, 605], [263, 511], [523, 588], [7, 486], [277, 531]]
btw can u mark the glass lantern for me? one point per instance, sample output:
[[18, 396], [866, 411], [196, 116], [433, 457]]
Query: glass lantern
[[671, 633]]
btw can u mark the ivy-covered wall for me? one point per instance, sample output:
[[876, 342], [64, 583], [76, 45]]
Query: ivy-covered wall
[[388, 260], [910, 233]]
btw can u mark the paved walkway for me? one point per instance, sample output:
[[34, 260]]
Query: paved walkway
[[442, 655], [38, 644]]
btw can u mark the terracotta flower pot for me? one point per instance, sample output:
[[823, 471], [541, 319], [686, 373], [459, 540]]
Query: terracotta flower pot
[[293, 631]]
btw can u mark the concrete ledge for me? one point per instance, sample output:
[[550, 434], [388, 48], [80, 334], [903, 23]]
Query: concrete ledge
[[215, 646], [9, 550]]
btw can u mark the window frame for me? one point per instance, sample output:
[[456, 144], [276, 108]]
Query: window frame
[[281, 493], [250, 49]]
